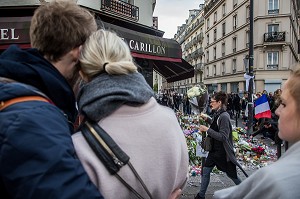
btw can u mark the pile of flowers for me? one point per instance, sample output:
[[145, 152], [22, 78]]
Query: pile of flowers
[[258, 150], [251, 153]]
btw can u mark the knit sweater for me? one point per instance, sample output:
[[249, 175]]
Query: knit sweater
[[151, 136]]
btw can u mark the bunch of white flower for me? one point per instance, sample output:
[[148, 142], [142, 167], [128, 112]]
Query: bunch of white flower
[[196, 91]]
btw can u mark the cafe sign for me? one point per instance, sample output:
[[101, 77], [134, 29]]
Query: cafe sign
[[14, 30]]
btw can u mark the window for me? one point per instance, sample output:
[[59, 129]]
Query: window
[[207, 23], [207, 71], [223, 49], [234, 22], [273, 7], [223, 68], [247, 39], [224, 9], [234, 3], [273, 28], [207, 58], [207, 38], [272, 62], [215, 34], [215, 17], [234, 66], [215, 53], [215, 70], [247, 13], [223, 29], [234, 44]]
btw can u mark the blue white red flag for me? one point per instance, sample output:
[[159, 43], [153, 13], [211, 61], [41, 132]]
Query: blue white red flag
[[262, 107]]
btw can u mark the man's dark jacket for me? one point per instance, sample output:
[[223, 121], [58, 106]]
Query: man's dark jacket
[[37, 157]]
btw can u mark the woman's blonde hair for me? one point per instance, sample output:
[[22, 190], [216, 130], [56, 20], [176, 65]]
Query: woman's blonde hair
[[104, 51]]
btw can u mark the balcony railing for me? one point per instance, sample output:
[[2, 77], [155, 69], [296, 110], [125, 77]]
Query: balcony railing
[[209, 6], [272, 66], [274, 36], [199, 67], [121, 8], [274, 11]]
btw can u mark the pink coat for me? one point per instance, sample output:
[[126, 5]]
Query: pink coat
[[151, 136]]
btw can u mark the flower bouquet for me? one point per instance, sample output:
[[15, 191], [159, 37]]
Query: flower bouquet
[[198, 97]]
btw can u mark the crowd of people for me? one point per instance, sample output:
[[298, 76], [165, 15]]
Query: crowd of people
[[43, 156]]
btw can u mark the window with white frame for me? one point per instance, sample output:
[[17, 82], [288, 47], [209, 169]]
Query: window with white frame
[[215, 17], [273, 7], [215, 34], [224, 9], [215, 52], [223, 68], [234, 44], [272, 62], [215, 70], [207, 71], [207, 37], [223, 49], [247, 13], [234, 66], [234, 22], [207, 23], [247, 39], [207, 56], [223, 29], [273, 28]]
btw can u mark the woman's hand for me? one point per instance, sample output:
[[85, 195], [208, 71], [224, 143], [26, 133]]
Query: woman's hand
[[203, 116], [175, 194], [203, 128]]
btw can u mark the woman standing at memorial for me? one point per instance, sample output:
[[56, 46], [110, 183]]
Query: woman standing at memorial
[[222, 154]]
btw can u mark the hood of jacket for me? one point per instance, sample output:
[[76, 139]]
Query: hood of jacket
[[31, 68]]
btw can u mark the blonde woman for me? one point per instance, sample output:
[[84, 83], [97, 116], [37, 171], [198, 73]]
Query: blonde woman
[[117, 96]]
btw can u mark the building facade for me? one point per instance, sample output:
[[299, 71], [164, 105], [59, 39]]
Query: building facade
[[191, 38], [226, 44]]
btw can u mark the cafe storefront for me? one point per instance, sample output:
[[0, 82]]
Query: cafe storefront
[[150, 52]]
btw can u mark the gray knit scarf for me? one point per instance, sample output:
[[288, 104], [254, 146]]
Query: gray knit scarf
[[106, 93]]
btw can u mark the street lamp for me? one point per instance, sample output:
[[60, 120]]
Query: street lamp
[[251, 55]]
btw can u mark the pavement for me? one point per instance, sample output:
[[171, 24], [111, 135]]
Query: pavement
[[219, 181]]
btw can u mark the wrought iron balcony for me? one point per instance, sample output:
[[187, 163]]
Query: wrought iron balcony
[[274, 11], [199, 67], [121, 8], [272, 66], [274, 36]]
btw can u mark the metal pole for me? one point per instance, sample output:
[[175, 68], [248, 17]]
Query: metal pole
[[250, 102]]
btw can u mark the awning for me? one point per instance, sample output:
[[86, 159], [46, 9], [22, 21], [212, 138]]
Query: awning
[[174, 71]]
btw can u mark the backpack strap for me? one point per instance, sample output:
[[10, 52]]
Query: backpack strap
[[110, 154], [5, 104]]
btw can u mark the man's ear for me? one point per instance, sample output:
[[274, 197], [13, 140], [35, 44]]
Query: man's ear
[[83, 76], [75, 52]]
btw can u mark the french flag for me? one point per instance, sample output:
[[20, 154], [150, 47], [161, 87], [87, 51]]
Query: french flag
[[262, 107]]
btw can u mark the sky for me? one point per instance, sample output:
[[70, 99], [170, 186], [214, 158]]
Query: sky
[[173, 13]]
